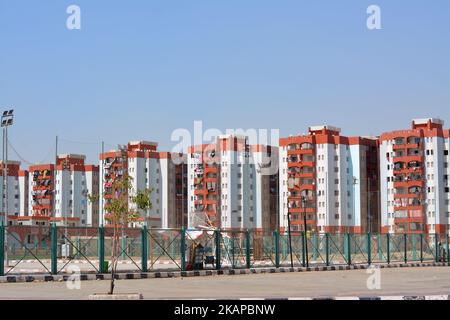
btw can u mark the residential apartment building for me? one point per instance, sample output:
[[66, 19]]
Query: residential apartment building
[[16, 192], [228, 186], [331, 179], [149, 169], [60, 193], [414, 178]]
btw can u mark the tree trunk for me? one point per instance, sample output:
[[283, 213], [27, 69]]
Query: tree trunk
[[113, 258]]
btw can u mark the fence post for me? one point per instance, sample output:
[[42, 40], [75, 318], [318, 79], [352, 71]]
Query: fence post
[[405, 243], [436, 248], [303, 248], [233, 263], [421, 247], [54, 249], [217, 238], [369, 249], [327, 248], [144, 249], [247, 248], [446, 239], [2, 250], [101, 249], [388, 247], [277, 249], [349, 253], [183, 249]]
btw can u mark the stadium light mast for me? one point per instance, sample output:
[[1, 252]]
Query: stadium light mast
[[6, 121]]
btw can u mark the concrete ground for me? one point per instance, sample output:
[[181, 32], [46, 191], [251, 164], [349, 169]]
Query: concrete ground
[[394, 282]]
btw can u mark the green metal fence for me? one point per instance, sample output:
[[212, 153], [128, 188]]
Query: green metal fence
[[53, 250]]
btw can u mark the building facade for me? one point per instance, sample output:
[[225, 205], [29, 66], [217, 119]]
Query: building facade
[[16, 190], [414, 178], [228, 185], [149, 169], [60, 193], [330, 179]]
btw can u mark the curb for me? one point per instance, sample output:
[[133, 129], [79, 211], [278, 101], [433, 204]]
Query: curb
[[369, 298], [202, 273], [121, 296]]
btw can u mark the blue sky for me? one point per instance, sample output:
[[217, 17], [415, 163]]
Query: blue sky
[[140, 69]]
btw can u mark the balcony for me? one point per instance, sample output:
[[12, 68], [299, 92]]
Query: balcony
[[408, 184], [409, 158], [203, 191], [301, 152], [211, 169], [301, 164], [302, 210]]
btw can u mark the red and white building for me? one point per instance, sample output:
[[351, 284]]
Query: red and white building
[[60, 193], [330, 178], [149, 169], [17, 190], [414, 175], [227, 186]]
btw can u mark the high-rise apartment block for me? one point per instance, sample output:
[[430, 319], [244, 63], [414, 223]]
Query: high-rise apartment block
[[330, 179], [396, 183], [149, 169], [414, 175], [228, 184]]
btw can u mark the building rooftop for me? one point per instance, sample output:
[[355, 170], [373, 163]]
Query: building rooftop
[[426, 120], [72, 156], [144, 142], [324, 127]]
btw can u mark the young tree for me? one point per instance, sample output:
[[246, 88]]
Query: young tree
[[119, 214]]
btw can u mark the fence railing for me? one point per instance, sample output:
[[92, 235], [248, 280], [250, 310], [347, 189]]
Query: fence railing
[[56, 250]]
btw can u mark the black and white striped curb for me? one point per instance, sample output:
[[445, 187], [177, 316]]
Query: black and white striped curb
[[369, 298], [200, 273]]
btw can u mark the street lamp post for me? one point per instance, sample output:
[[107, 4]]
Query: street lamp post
[[6, 121], [304, 229]]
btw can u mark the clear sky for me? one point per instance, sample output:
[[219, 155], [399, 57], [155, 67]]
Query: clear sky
[[140, 69]]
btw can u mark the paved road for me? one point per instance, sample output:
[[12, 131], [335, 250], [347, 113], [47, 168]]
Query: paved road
[[397, 282]]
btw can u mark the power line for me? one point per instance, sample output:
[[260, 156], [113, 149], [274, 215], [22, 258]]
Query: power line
[[86, 142], [23, 159], [79, 142]]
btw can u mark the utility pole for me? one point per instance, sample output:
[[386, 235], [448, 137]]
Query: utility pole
[[182, 191], [102, 182], [369, 214]]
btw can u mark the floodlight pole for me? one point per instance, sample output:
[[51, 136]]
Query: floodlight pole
[[6, 120]]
